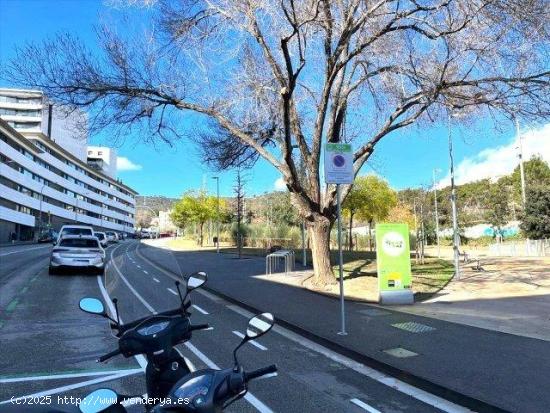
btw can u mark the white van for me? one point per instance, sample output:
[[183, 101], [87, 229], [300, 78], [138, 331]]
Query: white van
[[82, 230]]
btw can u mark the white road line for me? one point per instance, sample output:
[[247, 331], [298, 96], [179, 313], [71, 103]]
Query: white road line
[[25, 250], [364, 406], [200, 310], [69, 375], [139, 266], [69, 387], [389, 381], [249, 396], [142, 361], [172, 291], [145, 272], [254, 343], [132, 289], [156, 280]]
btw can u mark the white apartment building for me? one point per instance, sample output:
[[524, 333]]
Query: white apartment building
[[45, 181], [30, 112], [103, 159]]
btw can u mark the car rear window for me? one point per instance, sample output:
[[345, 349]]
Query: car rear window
[[99, 235], [77, 231], [79, 243]]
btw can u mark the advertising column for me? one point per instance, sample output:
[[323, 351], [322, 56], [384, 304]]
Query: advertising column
[[393, 259]]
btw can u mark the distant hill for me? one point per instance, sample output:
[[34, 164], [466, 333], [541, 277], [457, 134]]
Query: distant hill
[[145, 205], [158, 203]]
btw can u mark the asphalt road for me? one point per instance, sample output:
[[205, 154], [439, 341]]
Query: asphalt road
[[49, 346]]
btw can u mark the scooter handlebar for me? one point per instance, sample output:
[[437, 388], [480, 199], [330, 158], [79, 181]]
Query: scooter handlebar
[[260, 372], [124, 327], [107, 356], [199, 327]]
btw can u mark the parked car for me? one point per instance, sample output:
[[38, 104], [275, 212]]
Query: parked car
[[82, 230], [48, 236], [77, 252], [111, 236], [102, 238]]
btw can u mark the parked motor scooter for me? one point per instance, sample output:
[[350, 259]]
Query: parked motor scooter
[[155, 337]]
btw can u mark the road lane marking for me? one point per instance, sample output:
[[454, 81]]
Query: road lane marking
[[172, 291], [380, 377], [200, 310], [254, 343], [364, 406], [156, 280], [145, 272], [70, 387], [25, 250], [142, 361], [132, 289], [248, 397], [139, 266], [69, 375]]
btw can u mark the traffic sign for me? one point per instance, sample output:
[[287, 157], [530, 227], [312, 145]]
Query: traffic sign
[[338, 163]]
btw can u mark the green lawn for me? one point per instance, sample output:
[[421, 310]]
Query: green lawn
[[428, 278]]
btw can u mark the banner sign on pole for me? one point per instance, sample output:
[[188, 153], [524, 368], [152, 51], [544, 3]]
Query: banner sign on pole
[[338, 163], [393, 262]]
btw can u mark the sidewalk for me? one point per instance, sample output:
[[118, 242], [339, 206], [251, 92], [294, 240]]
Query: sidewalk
[[497, 369], [510, 295], [16, 243]]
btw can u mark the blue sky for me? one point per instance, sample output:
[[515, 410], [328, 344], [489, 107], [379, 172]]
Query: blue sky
[[405, 159]]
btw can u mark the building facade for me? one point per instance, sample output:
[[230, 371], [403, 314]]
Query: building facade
[[30, 112], [103, 159], [43, 184]]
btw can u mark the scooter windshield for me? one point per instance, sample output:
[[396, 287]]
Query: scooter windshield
[[142, 276]]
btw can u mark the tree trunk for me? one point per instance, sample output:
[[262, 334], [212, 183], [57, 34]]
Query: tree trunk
[[319, 234], [200, 232], [350, 244]]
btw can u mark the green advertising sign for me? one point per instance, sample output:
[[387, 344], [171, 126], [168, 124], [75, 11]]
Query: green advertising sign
[[393, 257]]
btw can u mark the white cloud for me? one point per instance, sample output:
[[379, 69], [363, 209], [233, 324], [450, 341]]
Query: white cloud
[[493, 163], [124, 164], [280, 184]]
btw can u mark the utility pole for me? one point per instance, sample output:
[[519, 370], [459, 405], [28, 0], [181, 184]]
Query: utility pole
[[521, 171], [415, 231], [436, 215], [456, 239]]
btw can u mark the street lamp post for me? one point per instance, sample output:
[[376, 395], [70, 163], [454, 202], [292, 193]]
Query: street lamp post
[[520, 155], [436, 215], [456, 239], [217, 178]]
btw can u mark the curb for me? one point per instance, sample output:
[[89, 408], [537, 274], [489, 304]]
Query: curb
[[454, 396], [424, 384]]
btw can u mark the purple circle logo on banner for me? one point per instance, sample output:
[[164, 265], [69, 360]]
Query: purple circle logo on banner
[[338, 160]]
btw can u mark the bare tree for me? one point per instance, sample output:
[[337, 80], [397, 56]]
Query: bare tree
[[277, 77], [239, 205]]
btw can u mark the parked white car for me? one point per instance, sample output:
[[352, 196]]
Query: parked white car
[[111, 236], [77, 252], [67, 230], [102, 238]]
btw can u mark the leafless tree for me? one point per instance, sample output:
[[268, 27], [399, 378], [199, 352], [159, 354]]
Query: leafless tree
[[275, 77], [238, 188]]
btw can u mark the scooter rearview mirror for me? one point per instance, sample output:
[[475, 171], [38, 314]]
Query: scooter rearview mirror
[[259, 325], [92, 306], [196, 280], [98, 401]]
